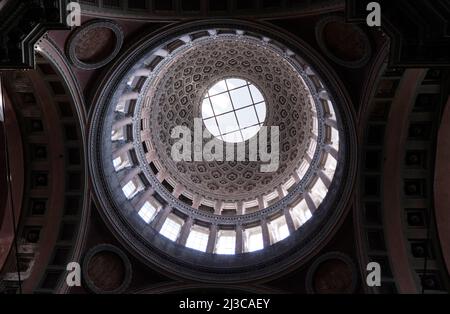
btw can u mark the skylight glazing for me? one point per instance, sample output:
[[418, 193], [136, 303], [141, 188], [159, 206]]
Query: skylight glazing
[[233, 110]]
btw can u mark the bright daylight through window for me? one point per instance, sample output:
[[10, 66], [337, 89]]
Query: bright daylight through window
[[233, 110]]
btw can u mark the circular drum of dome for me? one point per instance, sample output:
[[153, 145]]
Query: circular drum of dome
[[222, 219]]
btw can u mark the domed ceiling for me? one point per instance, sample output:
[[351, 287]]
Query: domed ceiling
[[212, 210], [175, 97]]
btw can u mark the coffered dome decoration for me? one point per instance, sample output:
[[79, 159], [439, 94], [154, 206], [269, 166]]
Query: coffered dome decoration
[[229, 217], [175, 97]]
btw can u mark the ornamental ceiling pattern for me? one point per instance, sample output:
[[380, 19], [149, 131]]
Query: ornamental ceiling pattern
[[175, 97]]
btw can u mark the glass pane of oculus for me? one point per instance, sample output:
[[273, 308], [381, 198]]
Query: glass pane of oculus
[[206, 109], [261, 111], [211, 126], [247, 117], [250, 132], [256, 94], [227, 123], [241, 97], [234, 137], [221, 103], [218, 88], [235, 83]]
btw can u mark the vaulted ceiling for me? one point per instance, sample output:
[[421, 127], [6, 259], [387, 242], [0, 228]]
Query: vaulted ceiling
[[393, 82]]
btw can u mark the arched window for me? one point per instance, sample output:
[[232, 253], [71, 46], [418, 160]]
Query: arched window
[[198, 238], [226, 242], [300, 213], [172, 227], [279, 229], [133, 187], [148, 211], [253, 239]]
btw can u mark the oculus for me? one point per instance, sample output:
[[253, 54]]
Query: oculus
[[233, 110]]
